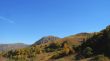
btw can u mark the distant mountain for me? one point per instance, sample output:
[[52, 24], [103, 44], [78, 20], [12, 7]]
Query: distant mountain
[[6, 47], [46, 39]]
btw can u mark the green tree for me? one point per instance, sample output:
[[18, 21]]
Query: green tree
[[88, 51]]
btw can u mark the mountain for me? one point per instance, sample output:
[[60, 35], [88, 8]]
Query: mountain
[[77, 37], [46, 39], [6, 47], [79, 47]]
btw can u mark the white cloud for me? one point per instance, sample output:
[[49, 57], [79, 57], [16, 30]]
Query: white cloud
[[6, 19]]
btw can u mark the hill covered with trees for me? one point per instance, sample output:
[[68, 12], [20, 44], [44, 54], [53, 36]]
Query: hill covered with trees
[[80, 47]]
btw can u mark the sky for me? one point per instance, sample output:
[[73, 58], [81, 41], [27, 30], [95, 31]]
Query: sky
[[26, 21]]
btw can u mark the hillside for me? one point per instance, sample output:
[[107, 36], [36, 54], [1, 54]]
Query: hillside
[[81, 37], [100, 42], [80, 47]]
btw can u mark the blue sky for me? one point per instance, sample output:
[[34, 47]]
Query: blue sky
[[25, 21]]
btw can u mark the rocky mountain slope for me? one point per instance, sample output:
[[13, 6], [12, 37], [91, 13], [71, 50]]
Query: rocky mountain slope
[[46, 39]]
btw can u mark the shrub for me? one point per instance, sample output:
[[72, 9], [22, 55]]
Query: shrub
[[88, 51], [101, 58], [58, 54], [52, 47]]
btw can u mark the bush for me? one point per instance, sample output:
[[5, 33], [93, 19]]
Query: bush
[[101, 58], [88, 51], [58, 54], [52, 47]]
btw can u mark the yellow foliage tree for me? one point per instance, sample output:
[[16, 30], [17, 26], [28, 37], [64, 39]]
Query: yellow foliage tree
[[66, 48]]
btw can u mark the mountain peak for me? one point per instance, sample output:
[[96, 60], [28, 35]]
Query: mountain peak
[[46, 39]]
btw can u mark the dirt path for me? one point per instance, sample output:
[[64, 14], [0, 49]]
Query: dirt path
[[2, 59]]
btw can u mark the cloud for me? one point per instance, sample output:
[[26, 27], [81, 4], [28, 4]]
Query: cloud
[[6, 19]]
